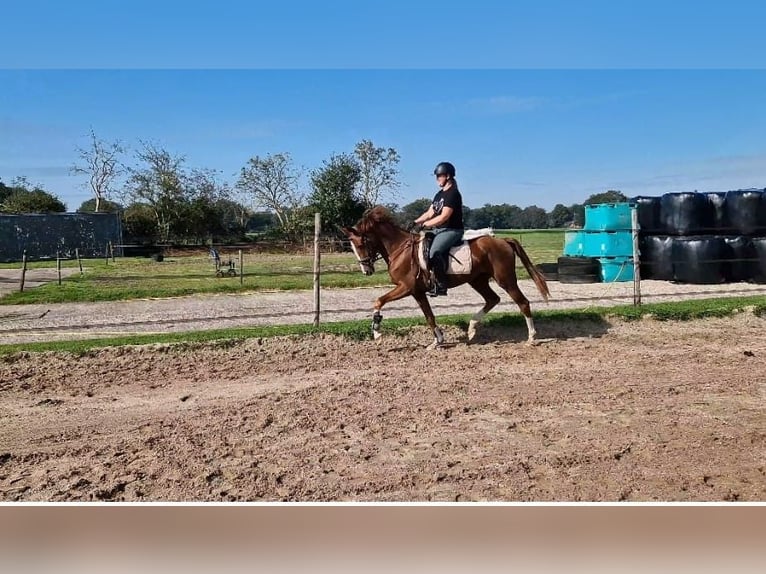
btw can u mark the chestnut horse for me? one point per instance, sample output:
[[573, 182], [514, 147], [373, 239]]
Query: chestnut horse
[[376, 236]]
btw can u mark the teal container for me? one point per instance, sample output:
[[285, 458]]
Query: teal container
[[608, 217], [616, 269], [598, 243]]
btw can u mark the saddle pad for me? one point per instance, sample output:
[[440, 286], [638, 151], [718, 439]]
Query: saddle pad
[[459, 259], [469, 234]]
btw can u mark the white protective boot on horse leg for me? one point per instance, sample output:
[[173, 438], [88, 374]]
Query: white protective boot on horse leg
[[438, 340]]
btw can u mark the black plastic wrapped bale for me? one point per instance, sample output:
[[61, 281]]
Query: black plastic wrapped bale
[[741, 260], [746, 211], [656, 257], [717, 201], [759, 266], [648, 209], [699, 260], [686, 213]]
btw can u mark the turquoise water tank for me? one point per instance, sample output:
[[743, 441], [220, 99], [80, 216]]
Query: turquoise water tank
[[608, 217]]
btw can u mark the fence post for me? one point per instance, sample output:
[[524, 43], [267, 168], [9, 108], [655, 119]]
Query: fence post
[[23, 270], [317, 230], [111, 251], [106, 253], [79, 261], [58, 265], [636, 258], [241, 268]]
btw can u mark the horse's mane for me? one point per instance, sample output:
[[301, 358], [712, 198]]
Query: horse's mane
[[374, 217]]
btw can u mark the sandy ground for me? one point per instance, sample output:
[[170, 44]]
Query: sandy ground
[[644, 411], [29, 323]]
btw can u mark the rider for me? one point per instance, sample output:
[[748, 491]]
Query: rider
[[445, 219]]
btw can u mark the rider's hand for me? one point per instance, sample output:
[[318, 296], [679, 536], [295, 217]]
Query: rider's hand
[[415, 227]]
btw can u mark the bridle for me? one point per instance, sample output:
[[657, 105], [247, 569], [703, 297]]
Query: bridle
[[370, 260]]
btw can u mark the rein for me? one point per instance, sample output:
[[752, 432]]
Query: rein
[[388, 258]]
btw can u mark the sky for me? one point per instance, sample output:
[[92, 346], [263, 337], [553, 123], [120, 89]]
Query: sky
[[536, 103]]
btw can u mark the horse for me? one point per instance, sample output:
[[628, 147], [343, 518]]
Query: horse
[[377, 236]]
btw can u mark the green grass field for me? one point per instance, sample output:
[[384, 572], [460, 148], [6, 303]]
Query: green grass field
[[140, 278]]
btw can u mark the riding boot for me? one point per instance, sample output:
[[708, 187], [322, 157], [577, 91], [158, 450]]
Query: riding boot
[[439, 270]]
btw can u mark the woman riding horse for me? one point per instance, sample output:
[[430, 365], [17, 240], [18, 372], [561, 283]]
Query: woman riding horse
[[376, 236], [445, 220]]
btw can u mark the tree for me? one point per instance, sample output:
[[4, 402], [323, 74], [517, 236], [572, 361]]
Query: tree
[[100, 162], [560, 216], [158, 184], [271, 183], [578, 214], [610, 196], [378, 171], [413, 210], [260, 221], [534, 217], [5, 191], [199, 210], [139, 223], [89, 206], [233, 216], [333, 191], [32, 201]]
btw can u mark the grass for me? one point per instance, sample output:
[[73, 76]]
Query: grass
[[542, 245], [138, 278], [360, 330], [143, 278]]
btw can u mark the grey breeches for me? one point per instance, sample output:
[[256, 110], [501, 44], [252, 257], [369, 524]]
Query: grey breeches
[[444, 239]]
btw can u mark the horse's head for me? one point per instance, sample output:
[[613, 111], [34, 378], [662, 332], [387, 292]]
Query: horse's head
[[363, 248]]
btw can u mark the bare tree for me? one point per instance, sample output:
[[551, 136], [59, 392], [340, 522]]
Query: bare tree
[[158, 184], [378, 172], [100, 162], [271, 182]]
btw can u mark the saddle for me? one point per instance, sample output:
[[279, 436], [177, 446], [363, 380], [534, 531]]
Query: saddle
[[459, 260]]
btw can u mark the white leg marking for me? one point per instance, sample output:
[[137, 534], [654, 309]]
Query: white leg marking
[[531, 329], [474, 322], [438, 339]]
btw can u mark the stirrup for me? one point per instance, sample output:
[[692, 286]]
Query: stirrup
[[437, 291]]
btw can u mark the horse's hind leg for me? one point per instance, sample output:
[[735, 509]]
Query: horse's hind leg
[[481, 285], [510, 285]]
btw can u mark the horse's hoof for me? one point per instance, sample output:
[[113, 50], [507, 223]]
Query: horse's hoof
[[376, 335], [533, 342]]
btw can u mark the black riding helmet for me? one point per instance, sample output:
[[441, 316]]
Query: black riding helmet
[[445, 168]]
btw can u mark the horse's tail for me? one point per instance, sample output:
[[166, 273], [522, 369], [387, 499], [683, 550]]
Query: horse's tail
[[534, 272]]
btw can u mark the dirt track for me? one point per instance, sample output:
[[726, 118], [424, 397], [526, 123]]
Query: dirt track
[[629, 411]]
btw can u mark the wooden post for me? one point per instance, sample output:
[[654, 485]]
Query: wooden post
[[106, 254], [317, 230], [79, 261], [111, 251], [23, 269], [636, 258], [241, 268], [58, 265]]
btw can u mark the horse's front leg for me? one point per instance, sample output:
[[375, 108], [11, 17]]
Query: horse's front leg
[[396, 293], [425, 306]]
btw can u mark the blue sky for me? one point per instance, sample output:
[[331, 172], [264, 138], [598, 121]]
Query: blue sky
[[536, 103]]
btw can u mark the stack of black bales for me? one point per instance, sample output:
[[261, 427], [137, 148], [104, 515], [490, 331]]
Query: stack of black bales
[[715, 237]]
